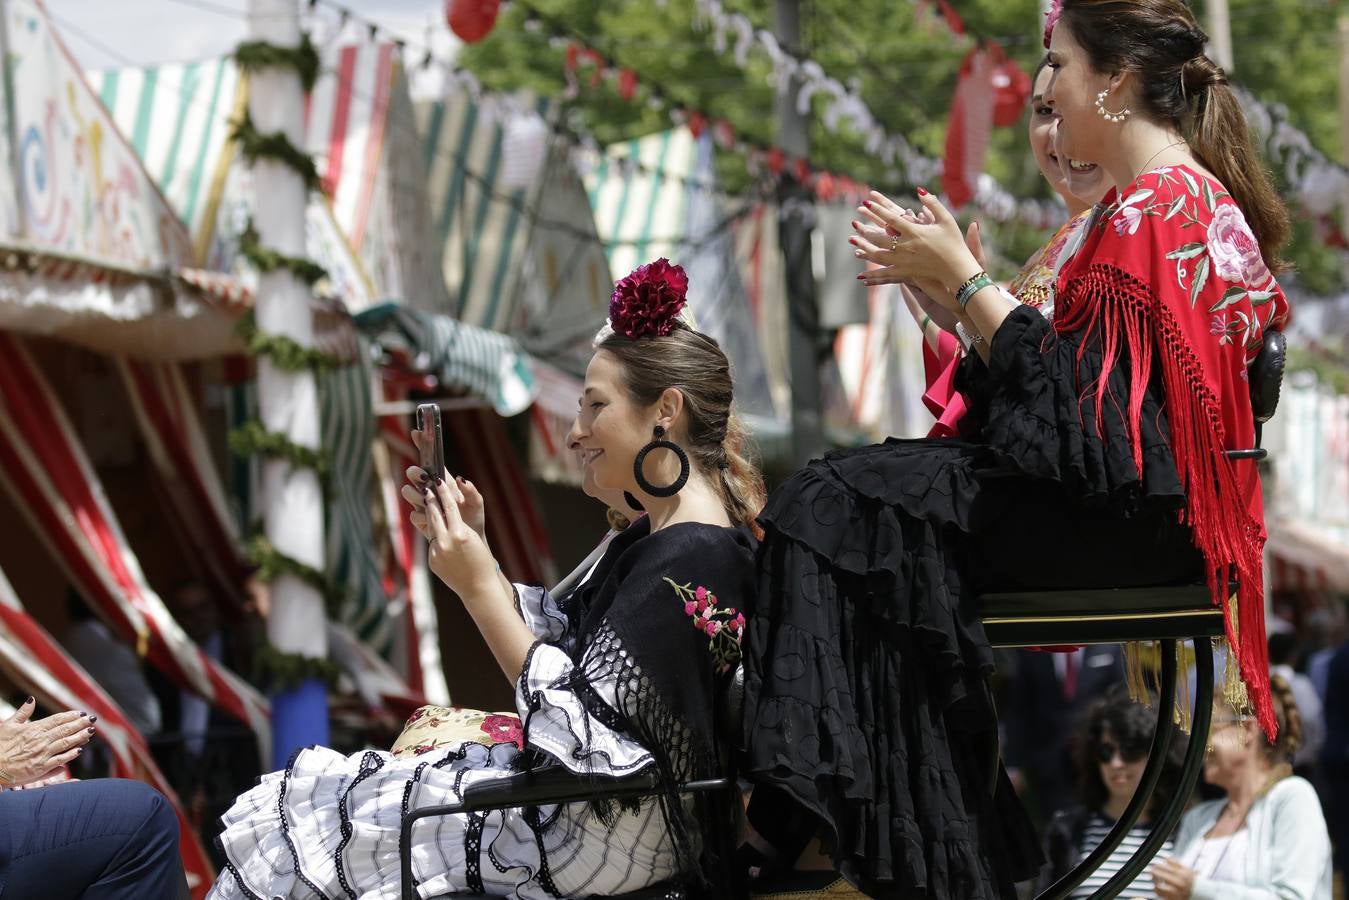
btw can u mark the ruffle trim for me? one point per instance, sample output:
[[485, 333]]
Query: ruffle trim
[[1034, 412]]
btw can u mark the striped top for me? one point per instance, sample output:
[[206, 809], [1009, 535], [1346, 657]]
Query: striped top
[[1092, 836]]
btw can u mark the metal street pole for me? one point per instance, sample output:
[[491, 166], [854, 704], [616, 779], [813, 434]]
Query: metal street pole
[[797, 219], [288, 401]]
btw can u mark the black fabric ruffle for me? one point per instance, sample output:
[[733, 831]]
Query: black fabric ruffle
[[866, 663], [1036, 404]]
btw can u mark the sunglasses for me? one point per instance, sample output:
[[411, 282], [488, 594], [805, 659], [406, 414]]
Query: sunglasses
[[1105, 752]]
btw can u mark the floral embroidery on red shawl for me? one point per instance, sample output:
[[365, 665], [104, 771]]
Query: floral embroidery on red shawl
[[1173, 273]]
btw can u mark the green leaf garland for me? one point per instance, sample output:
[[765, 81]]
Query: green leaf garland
[[287, 671], [271, 563], [252, 438], [304, 59], [255, 145], [265, 259], [285, 353]]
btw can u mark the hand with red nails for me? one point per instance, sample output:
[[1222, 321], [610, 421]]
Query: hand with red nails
[[33, 751], [927, 248]]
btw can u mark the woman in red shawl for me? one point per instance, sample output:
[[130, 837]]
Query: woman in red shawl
[[1100, 435]]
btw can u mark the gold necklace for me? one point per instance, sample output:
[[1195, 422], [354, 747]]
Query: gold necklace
[[1145, 169]]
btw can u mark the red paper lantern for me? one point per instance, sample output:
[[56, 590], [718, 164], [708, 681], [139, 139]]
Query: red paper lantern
[[471, 20], [1011, 89]]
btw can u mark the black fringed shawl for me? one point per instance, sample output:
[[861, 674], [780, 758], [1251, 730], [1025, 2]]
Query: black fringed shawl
[[641, 621]]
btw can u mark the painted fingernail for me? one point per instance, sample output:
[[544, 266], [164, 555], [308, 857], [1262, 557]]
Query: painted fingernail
[[423, 478], [861, 278], [922, 193], [85, 714], [857, 253], [868, 204], [90, 730], [93, 719], [79, 751], [439, 479], [853, 241], [29, 700]]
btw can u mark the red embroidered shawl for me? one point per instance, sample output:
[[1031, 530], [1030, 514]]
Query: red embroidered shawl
[[1174, 272]]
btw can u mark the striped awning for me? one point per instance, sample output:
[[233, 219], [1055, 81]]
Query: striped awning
[[462, 358], [34, 662], [360, 127], [879, 366], [656, 196], [44, 466], [179, 118], [477, 216], [346, 414]]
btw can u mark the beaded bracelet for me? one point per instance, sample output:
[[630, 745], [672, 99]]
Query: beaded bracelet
[[976, 283]]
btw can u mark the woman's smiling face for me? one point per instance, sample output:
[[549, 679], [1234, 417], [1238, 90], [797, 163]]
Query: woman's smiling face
[[1083, 134], [609, 429], [1042, 120]]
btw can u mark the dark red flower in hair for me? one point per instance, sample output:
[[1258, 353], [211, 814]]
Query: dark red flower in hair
[[648, 301]]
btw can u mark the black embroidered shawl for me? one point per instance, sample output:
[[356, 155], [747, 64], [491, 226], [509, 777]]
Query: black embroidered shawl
[[658, 617]]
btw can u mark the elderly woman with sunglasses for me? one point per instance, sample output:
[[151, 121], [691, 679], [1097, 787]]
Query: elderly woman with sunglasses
[[1112, 749], [1267, 838]]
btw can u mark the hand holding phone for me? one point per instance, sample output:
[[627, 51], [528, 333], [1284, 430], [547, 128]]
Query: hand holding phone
[[429, 440]]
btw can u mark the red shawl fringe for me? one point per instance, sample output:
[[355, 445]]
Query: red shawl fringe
[[1119, 310]]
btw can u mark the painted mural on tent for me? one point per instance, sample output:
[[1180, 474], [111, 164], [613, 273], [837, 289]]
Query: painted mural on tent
[[82, 189]]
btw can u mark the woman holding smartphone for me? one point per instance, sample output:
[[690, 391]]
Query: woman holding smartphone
[[614, 676]]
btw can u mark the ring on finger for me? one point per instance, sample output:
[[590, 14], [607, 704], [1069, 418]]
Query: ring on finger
[[894, 243]]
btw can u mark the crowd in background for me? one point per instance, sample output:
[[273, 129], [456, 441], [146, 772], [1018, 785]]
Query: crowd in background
[[1076, 744]]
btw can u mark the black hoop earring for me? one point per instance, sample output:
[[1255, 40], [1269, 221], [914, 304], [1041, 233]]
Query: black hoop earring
[[659, 443]]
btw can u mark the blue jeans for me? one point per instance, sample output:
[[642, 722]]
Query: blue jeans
[[107, 839]]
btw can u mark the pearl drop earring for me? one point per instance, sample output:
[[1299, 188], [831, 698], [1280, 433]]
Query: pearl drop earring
[[1105, 113]]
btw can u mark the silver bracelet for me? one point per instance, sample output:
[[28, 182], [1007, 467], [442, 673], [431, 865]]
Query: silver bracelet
[[970, 337]]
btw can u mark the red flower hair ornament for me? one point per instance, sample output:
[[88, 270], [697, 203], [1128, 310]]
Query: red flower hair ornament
[[648, 302]]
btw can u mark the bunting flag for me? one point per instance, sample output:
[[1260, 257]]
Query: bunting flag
[[53, 482], [33, 660]]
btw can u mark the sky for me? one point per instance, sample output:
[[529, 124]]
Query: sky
[[107, 34]]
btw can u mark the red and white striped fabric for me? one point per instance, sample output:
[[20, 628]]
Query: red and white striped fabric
[[425, 671], [516, 534], [56, 487], [178, 447], [35, 662], [345, 121], [179, 450]]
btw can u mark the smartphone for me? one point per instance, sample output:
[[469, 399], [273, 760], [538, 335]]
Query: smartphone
[[428, 436]]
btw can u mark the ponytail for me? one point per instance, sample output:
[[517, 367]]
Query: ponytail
[[1222, 142]]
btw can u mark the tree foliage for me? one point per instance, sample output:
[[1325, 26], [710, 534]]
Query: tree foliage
[[905, 63]]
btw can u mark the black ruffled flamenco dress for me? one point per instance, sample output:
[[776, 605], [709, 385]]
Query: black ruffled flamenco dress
[[867, 698]]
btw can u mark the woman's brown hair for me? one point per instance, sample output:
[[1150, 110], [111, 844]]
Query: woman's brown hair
[[1162, 46], [694, 364]]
